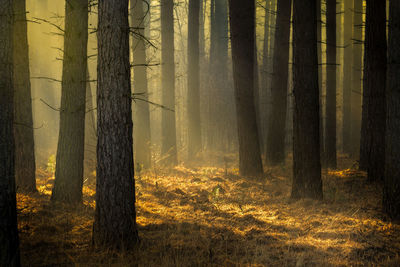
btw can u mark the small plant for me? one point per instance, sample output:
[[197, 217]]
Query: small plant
[[51, 165]]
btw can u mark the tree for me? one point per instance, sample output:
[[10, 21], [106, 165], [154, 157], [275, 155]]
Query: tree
[[141, 110], [115, 214], [306, 144], [391, 192], [372, 151], [242, 37], [71, 141], [9, 244], [168, 123], [356, 77], [279, 88], [193, 105], [25, 168], [319, 48], [330, 123], [347, 74]]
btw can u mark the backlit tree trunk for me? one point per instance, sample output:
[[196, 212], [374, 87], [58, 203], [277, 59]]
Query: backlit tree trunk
[[242, 37], [168, 148], [347, 74], [70, 150], [9, 244], [372, 151], [279, 88], [356, 78], [141, 128], [306, 144], [391, 192], [193, 106], [115, 215], [330, 123], [23, 122]]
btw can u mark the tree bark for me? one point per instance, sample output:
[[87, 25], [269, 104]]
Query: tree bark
[[306, 144], [193, 98], [71, 141], [356, 78], [319, 48], [279, 88], [168, 128], [115, 215], [372, 151], [242, 24], [391, 192], [9, 244], [330, 123], [141, 129], [347, 74], [25, 168]]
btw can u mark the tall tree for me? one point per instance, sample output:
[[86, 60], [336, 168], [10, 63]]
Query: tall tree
[[265, 75], [279, 89], [330, 123], [306, 144], [356, 77], [319, 49], [347, 74], [141, 109], [372, 151], [391, 192], [9, 244], [168, 122], [71, 141], [115, 214], [193, 105], [242, 22], [23, 121]]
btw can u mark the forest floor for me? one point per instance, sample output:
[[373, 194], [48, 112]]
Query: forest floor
[[206, 216]]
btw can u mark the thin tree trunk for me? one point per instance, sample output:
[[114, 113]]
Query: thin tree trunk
[[193, 98], [90, 132], [115, 214], [356, 78], [23, 121], [168, 128], [9, 244], [330, 124], [242, 37], [279, 89], [319, 49], [347, 74], [265, 78], [306, 144], [141, 129], [372, 151], [391, 192], [71, 141]]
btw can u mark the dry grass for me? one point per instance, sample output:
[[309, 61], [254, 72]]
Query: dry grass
[[200, 216]]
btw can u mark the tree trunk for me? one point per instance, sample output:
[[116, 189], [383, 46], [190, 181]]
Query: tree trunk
[[306, 144], [71, 141], [356, 78], [279, 88], [9, 244], [242, 37], [25, 167], [168, 149], [347, 86], [372, 151], [391, 192], [115, 215], [141, 110], [265, 78], [319, 48], [90, 132], [193, 98], [330, 123]]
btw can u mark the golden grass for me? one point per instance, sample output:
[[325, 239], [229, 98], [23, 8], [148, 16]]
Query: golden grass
[[200, 216]]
